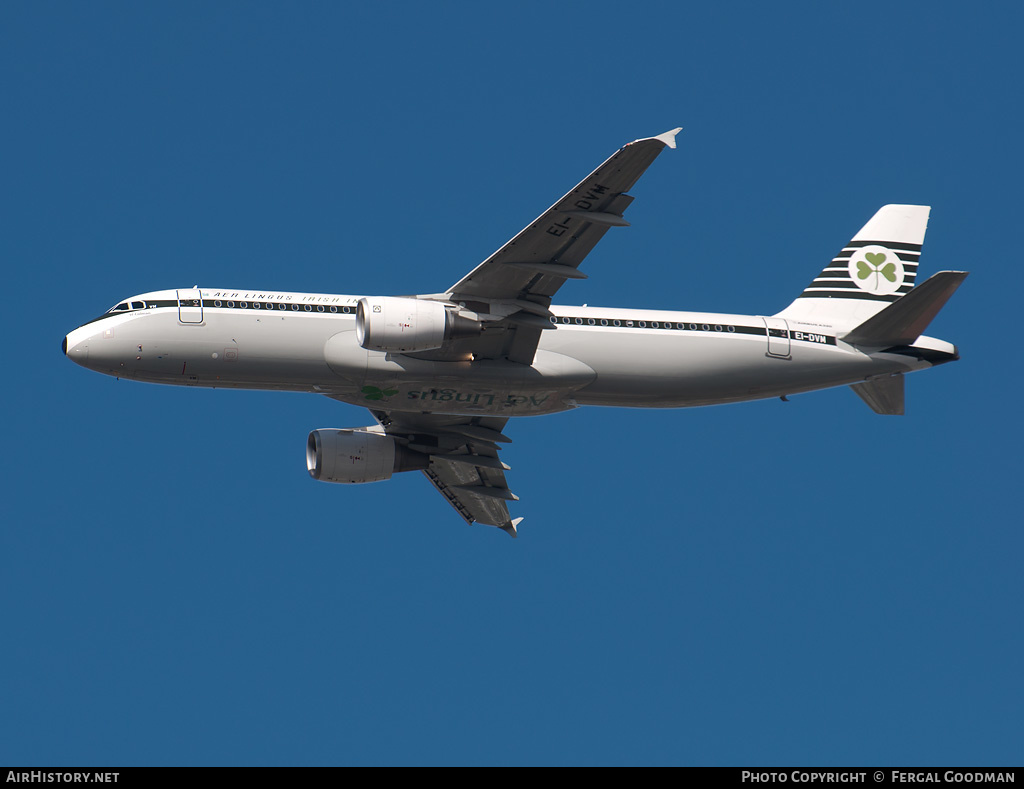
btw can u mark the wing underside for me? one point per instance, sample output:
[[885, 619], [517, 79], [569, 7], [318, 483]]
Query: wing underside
[[535, 263], [509, 296], [512, 289], [464, 463]]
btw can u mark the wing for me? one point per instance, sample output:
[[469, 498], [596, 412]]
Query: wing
[[464, 463], [517, 282], [534, 264]]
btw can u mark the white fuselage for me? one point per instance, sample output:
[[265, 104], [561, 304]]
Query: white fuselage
[[590, 356]]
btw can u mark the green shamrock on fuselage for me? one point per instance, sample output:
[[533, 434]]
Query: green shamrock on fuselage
[[874, 266], [376, 393]]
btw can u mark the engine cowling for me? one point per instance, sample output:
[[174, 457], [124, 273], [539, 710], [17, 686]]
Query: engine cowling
[[388, 323], [358, 455]]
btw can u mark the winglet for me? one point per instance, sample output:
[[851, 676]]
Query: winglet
[[669, 137], [510, 528]]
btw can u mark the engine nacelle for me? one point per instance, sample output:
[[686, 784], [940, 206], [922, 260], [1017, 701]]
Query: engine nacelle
[[387, 323], [358, 455]]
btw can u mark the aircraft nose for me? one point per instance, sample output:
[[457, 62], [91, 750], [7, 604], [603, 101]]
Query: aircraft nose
[[75, 346]]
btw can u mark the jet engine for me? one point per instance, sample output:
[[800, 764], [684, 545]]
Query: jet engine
[[387, 323], [358, 455]]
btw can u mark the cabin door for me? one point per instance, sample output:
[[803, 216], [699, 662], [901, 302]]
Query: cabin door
[[190, 306], [778, 337]]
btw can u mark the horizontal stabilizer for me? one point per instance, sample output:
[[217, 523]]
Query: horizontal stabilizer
[[883, 395], [903, 321]]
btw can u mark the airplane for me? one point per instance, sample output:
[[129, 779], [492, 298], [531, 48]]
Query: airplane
[[443, 373]]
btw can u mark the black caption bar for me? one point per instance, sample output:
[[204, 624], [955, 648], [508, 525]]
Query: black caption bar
[[880, 775], [901, 776]]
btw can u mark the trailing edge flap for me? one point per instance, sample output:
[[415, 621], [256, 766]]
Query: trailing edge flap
[[883, 395], [903, 321], [464, 464]]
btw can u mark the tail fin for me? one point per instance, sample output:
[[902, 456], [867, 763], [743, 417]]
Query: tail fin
[[873, 270]]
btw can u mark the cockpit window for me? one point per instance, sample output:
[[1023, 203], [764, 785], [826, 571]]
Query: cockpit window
[[138, 305], [122, 307]]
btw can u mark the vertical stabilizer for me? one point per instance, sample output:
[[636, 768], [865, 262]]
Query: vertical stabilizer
[[873, 270]]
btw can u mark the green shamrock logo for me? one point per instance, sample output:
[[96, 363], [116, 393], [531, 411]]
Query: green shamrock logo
[[874, 265], [376, 393]]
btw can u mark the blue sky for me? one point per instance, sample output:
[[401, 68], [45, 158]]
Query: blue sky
[[768, 583]]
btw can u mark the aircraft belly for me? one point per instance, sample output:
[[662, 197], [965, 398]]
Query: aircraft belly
[[672, 370], [398, 382]]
